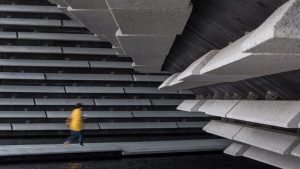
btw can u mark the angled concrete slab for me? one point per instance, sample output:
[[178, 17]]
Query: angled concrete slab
[[218, 108], [268, 139], [271, 158], [223, 129], [236, 149], [191, 105], [280, 33], [276, 113]]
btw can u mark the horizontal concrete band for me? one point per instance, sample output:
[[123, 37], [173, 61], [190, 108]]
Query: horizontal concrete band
[[268, 139], [39, 22], [81, 77], [269, 112], [29, 9], [102, 114], [127, 148], [57, 50], [65, 63], [102, 126]]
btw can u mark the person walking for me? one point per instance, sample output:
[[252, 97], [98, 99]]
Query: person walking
[[75, 123]]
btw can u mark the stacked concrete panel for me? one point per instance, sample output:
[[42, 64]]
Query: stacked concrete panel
[[144, 30], [274, 44], [236, 149]]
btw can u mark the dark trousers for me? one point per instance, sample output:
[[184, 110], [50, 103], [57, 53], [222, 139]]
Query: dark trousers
[[74, 135]]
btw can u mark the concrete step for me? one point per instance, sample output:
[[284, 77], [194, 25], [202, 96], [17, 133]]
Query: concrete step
[[29, 9], [271, 158], [118, 148]]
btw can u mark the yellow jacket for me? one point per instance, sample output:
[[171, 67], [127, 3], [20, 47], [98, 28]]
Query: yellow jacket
[[76, 123]]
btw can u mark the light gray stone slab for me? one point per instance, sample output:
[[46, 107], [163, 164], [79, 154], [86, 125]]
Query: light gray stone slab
[[48, 126], [88, 4], [152, 21], [218, 107], [198, 124], [138, 125], [32, 89], [279, 33], [30, 22], [149, 78], [91, 114], [192, 73], [92, 89], [91, 19], [128, 148], [57, 36], [72, 24], [67, 102], [191, 105], [13, 101], [148, 4], [296, 151], [276, 113], [165, 102], [122, 102], [236, 149], [5, 127], [88, 51], [147, 90], [108, 64], [271, 140], [148, 68], [22, 114], [85, 77], [43, 63], [30, 49], [29, 9], [167, 114], [148, 45], [271, 158], [166, 82], [223, 129], [8, 35], [22, 76]]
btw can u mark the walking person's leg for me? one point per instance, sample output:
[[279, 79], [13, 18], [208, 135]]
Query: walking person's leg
[[70, 138], [81, 139]]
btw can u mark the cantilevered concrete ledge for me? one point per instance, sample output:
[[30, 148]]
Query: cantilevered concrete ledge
[[191, 105], [125, 148], [218, 107], [280, 33], [236, 149], [223, 129], [271, 158], [276, 113]]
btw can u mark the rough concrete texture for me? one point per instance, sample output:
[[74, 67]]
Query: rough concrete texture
[[190, 105], [195, 67], [276, 113], [148, 4], [296, 151], [271, 158], [271, 140], [146, 68], [87, 4], [223, 129], [167, 82], [232, 61], [100, 22], [218, 107], [146, 44], [152, 21], [236, 149], [280, 33]]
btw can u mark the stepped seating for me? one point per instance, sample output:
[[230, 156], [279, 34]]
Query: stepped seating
[[49, 65], [115, 149]]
